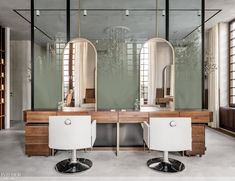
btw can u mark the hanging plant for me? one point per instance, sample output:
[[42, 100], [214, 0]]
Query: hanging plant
[[209, 64]]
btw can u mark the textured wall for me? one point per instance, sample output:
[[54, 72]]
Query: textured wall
[[188, 77], [47, 79], [117, 83], [20, 84]]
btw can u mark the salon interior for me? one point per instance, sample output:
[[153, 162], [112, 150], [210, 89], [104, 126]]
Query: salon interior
[[117, 90]]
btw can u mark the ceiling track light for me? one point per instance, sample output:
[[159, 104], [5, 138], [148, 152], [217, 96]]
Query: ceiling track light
[[163, 13], [127, 12], [37, 12], [84, 12]]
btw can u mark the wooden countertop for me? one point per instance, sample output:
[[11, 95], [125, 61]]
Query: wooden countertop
[[200, 116]]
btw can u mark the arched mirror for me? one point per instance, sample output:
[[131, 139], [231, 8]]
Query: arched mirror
[[157, 59], [79, 75]]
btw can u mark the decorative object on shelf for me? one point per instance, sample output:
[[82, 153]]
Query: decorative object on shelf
[[2, 77]]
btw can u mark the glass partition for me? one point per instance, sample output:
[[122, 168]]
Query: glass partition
[[118, 29], [185, 35], [49, 39]]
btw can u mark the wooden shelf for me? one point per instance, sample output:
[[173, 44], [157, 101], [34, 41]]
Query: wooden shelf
[[2, 77]]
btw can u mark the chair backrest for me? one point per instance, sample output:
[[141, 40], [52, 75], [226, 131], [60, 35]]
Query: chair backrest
[[170, 134], [69, 132]]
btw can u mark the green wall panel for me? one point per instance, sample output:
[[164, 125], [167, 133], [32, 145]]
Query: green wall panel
[[188, 76], [118, 82], [47, 79]]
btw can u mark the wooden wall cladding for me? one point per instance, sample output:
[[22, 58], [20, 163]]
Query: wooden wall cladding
[[227, 118]]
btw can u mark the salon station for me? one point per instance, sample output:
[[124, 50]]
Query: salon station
[[108, 83], [122, 96]]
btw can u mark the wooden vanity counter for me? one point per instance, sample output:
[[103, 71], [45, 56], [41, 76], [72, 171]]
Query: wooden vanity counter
[[36, 128]]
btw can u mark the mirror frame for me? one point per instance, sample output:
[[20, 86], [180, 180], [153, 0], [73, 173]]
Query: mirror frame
[[157, 39], [80, 40]]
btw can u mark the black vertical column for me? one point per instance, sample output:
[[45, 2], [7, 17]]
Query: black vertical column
[[167, 21], [32, 53], [203, 51], [68, 20]]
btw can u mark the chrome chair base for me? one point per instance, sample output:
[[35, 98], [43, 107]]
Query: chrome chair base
[[66, 166], [171, 167]]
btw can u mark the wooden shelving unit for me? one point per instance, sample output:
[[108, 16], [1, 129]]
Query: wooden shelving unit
[[2, 78]]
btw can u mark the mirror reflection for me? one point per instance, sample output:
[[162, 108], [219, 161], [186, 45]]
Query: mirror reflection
[[79, 74], [157, 73]]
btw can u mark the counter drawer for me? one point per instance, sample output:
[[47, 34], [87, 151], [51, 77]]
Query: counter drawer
[[36, 139], [197, 149], [198, 130], [36, 130], [38, 116], [164, 114], [37, 149], [197, 117]]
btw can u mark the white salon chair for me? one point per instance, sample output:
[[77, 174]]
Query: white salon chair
[[72, 133], [167, 134]]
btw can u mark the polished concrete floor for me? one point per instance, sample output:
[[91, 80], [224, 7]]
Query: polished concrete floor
[[217, 164]]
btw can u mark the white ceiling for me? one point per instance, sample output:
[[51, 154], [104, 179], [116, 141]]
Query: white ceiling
[[140, 23]]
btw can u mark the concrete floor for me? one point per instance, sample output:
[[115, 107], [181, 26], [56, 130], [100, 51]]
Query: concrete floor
[[217, 164]]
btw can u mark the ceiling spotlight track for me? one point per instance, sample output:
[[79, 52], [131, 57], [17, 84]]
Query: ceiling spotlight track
[[121, 10], [35, 27]]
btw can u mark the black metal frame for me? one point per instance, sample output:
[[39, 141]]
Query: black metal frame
[[68, 20], [203, 51], [167, 21], [68, 33], [32, 54]]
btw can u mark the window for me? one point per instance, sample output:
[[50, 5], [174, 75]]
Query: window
[[232, 63], [68, 68], [144, 70]]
